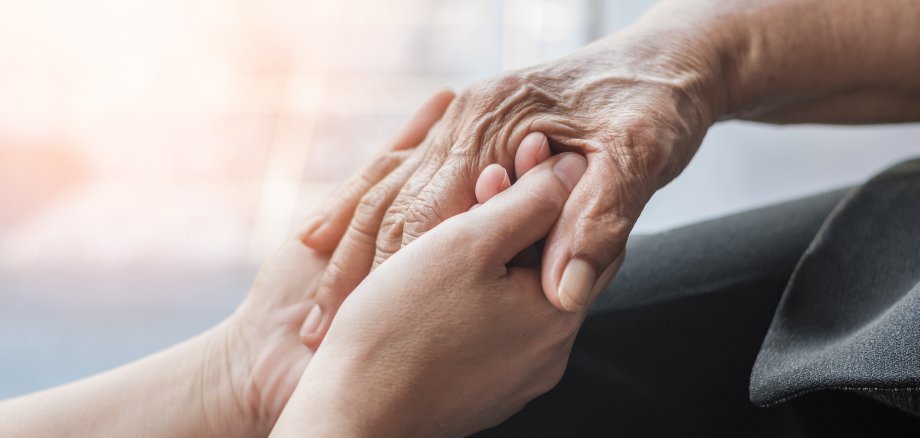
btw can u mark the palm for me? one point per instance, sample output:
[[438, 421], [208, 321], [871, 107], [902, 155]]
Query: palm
[[270, 321]]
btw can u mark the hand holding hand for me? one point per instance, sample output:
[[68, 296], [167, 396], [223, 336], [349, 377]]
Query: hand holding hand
[[635, 105], [444, 338], [264, 334]]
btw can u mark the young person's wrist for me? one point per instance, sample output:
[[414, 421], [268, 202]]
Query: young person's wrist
[[222, 383], [324, 405]]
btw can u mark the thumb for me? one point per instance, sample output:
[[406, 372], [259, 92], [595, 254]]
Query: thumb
[[520, 216], [585, 248]]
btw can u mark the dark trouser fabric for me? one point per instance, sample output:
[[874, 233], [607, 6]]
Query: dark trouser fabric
[[810, 308]]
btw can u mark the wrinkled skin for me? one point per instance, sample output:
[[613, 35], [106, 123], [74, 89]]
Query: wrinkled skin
[[636, 111]]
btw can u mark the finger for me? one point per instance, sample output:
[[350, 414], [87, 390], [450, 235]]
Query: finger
[[324, 230], [391, 233], [532, 151], [520, 216], [492, 181], [591, 234], [435, 195], [353, 257]]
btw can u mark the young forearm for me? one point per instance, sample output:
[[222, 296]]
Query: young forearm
[[321, 406], [182, 391], [796, 61]]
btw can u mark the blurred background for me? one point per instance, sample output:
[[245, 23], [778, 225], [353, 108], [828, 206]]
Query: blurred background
[[152, 153]]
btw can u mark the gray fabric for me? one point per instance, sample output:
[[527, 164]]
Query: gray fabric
[[850, 317]]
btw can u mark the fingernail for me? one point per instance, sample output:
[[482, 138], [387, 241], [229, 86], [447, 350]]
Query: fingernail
[[544, 147], [576, 284], [311, 324], [309, 229], [569, 169], [506, 181]]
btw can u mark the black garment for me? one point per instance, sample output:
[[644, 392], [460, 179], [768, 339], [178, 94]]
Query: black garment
[[818, 297]]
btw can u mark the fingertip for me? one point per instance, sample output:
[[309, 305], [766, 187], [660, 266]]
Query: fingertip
[[312, 322], [570, 168], [444, 96], [311, 330], [573, 274], [492, 181], [320, 234], [530, 208], [548, 271], [533, 150], [576, 284], [506, 181], [544, 151]]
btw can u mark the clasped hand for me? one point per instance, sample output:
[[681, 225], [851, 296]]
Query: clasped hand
[[451, 335]]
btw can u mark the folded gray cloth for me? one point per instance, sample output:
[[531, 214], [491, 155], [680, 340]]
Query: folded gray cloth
[[805, 307], [850, 316]]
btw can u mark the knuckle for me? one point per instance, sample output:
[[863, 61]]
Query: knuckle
[[366, 217], [610, 220], [390, 234], [389, 237], [438, 201], [330, 287], [608, 232], [421, 214], [642, 153], [373, 200], [493, 108], [359, 235]]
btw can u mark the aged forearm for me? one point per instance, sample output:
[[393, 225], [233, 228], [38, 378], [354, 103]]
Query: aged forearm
[[178, 392], [792, 61]]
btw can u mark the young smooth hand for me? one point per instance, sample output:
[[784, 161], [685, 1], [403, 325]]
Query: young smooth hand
[[445, 338], [232, 380], [265, 330]]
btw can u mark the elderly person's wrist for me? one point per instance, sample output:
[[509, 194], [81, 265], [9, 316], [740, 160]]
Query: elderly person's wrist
[[698, 49], [794, 61]]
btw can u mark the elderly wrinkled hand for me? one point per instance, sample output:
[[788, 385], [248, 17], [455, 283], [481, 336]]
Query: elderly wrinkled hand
[[636, 117]]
